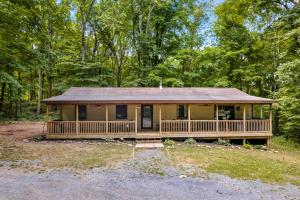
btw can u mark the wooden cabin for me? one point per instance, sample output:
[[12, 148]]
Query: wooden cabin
[[206, 113]]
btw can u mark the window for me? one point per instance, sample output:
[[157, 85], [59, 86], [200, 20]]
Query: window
[[82, 112], [226, 113], [182, 111], [121, 111]]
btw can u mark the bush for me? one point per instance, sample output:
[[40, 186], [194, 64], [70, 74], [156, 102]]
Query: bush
[[190, 141], [247, 146], [169, 143], [223, 142], [109, 140], [261, 147]]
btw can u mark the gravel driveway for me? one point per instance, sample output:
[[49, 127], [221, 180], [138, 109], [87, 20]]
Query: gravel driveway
[[148, 175]]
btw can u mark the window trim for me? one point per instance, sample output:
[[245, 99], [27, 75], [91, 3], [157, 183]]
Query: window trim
[[185, 111], [79, 111], [126, 115]]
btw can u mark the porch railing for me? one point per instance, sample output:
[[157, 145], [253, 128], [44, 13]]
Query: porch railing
[[175, 126], [215, 126], [167, 126], [90, 127]]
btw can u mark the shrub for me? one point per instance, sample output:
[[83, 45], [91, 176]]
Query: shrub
[[190, 141], [223, 142], [261, 147], [169, 142], [247, 146], [109, 140]]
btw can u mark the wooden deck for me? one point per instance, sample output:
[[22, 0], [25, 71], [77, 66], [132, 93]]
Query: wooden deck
[[206, 129], [157, 135]]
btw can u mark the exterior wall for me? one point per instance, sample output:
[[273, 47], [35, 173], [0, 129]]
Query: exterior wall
[[169, 112], [202, 112], [68, 113], [239, 113]]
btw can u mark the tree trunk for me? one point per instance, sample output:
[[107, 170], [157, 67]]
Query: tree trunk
[[83, 45], [39, 92], [2, 95], [95, 46]]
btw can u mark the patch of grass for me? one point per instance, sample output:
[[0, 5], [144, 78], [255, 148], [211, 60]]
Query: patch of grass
[[69, 155], [268, 166], [190, 141], [282, 144], [247, 146], [169, 143]]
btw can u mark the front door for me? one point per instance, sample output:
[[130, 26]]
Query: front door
[[147, 116]]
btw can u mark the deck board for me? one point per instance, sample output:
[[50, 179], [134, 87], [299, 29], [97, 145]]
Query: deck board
[[153, 135]]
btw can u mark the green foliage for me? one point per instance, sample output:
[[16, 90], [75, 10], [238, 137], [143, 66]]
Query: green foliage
[[283, 144], [169, 143], [49, 46], [260, 147], [248, 146], [223, 142], [190, 141]]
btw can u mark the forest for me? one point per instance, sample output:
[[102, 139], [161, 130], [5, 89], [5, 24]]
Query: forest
[[47, 46]]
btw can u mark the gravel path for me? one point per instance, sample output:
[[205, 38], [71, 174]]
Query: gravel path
[[149, 175]]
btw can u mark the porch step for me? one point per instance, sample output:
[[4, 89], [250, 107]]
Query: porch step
[[148, 141], [149, 145]]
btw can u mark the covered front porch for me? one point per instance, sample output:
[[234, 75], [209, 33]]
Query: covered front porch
[[161, 121]]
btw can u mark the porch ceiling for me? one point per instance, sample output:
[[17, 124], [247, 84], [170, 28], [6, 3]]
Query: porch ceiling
[[78, 95]]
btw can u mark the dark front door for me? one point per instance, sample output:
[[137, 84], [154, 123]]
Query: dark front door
[[147, 116]]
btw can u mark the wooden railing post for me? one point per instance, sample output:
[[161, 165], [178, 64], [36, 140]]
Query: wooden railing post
[[136, 118], [270, 118], [159, 118], [261, 111], [244, 117], [77, 127], [217, 118], [106, 119], [47, 119], [189, 118]]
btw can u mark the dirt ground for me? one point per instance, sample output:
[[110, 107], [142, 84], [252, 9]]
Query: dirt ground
[[21, 130]]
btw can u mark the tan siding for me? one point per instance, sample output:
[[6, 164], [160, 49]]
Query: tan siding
[[68, 112], [169, 112], [202, 112], [239, 113]]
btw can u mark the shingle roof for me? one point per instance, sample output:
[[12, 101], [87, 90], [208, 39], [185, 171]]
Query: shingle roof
[[154, 95]]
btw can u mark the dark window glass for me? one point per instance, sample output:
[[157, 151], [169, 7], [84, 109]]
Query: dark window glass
[[82, 112], [121, 111], [182, 111]]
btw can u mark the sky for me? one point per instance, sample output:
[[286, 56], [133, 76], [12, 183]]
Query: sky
[[209, 39]]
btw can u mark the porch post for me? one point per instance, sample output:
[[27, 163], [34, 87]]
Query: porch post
[[47, 113], [61, 110], [47, 119], [261, 111], [159, 118], [106, 119], [244, 117], [136, 118], [189, 118], [77, 127], [270, 118], [217, 117]]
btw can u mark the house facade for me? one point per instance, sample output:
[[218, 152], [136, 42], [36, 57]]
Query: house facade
[[159, 113]]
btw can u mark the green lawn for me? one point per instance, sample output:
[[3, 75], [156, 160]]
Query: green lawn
[[281, 164], [55, 155]]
